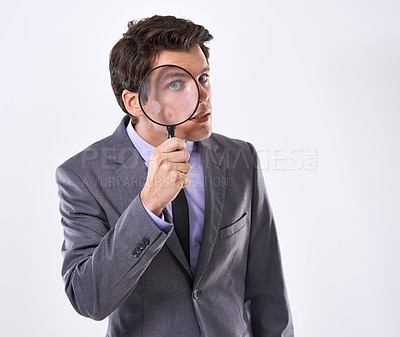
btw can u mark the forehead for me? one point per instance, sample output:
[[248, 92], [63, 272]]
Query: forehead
[[194, 60]]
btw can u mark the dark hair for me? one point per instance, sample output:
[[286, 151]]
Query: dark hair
[[133, 55]]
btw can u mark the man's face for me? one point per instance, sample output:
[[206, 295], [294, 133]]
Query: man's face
[[194, 61]]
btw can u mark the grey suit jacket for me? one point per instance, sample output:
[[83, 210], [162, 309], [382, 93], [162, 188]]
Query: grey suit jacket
[[238, 289]]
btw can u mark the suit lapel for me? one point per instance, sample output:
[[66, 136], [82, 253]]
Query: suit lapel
[[131, 171], [214, 188]]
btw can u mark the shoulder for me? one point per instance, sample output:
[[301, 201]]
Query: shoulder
[[91, 156], [102, 154], [235, 145], [236, 154]]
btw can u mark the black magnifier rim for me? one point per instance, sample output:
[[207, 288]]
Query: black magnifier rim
[[140, 93]]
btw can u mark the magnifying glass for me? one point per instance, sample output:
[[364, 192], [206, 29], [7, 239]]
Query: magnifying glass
[[169, 96]]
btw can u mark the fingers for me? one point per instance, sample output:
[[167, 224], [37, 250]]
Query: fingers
[[167, 174], [177, 156], [181, 167], [186, 180], [167, 167], [172, 150], [175, 179], [182, 180], [171, 145]]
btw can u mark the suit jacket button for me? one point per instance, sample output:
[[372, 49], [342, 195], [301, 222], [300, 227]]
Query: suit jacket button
[[136, 255], [146, 241], [195, 294], [141, 246], [138, 250]]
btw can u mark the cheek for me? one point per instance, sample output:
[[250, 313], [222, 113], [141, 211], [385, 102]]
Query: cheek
[[161, 130], [194, 131]]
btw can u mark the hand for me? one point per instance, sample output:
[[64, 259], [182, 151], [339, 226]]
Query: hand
[[167, 174]]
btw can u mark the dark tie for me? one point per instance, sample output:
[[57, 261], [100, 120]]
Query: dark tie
[[180, 213]]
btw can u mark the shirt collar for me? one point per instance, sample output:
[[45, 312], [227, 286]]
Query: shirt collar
[[145, 149]]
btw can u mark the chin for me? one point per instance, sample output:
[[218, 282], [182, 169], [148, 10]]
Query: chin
[[195, 135]]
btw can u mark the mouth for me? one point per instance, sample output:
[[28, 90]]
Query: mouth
[[202, 115]]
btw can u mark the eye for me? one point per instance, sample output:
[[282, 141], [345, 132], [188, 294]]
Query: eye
[[204, 78], [175, 85]]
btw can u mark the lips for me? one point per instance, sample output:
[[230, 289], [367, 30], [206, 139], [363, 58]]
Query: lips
[[200, 115]]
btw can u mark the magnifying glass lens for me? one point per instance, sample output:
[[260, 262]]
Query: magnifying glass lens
[[169, 95]]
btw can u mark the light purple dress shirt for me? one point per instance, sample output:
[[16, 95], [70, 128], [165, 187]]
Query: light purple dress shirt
[[194, 194]]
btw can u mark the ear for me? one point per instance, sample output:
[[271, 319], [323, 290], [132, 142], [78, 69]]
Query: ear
[[131, 101]]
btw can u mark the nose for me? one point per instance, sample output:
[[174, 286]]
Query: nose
[[204, 93]]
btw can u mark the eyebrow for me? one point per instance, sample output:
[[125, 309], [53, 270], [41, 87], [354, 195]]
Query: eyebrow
[[205, 69], [167, 76], [172, 75]]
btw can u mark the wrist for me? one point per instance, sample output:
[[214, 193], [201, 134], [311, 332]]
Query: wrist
[[156, 210]]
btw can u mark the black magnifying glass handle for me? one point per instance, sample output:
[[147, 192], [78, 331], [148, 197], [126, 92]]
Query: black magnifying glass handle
[[171, 131]]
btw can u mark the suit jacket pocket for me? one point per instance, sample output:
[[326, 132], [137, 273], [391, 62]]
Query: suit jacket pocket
[[233, 228]]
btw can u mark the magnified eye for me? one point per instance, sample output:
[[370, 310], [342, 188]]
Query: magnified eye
[[175, 85]]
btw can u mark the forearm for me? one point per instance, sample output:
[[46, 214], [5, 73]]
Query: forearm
[[98, 283], [101, 266]]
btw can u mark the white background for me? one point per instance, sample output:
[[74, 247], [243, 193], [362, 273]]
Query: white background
[[292, 77]]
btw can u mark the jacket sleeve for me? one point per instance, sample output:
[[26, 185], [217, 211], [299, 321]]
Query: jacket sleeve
[[266, 299], [102, 265]]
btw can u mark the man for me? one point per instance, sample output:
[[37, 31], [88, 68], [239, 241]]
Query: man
[[126, 253]]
